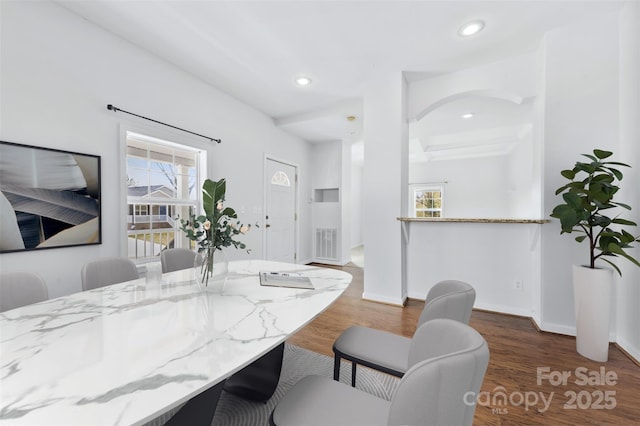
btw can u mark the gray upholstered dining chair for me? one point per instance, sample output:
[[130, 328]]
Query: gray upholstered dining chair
[[175, 259], [21, 288], [389, 352], [448, 361], [107, 271]]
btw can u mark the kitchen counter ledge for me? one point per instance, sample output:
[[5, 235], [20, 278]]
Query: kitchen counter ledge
[[470, 220]]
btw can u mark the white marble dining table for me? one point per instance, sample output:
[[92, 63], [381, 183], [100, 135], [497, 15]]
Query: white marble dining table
[[127, 353]]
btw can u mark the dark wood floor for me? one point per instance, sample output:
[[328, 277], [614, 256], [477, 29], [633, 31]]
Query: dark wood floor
[[517, 351]]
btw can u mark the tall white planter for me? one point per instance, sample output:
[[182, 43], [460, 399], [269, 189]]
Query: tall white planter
[[592, 296]]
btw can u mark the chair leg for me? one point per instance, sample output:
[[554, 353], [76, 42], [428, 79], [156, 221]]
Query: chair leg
[[353, 374], [336, 368]]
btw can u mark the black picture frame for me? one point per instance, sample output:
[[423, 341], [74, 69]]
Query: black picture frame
[[49, 198]]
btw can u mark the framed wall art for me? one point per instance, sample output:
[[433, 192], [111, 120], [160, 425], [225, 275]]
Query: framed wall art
[[49, 198]]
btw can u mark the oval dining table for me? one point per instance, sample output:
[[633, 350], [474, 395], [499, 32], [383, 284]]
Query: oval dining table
[[127, 353]]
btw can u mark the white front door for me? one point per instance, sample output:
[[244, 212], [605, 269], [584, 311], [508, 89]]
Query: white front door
[[280, 212]]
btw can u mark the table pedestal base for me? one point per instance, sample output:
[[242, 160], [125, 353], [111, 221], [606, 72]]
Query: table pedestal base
[[199, 410], [259, 380]]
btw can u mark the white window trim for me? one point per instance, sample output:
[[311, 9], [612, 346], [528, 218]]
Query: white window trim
[[163, 134]]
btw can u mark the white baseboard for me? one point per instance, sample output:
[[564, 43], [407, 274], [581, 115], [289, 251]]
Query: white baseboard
[[630, 349], [535, 317], [384, 299], [557, 328], [566, 330], [503, 309], [330, 262]]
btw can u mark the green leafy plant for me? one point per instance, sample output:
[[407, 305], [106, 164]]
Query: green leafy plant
[[587, 197], [215, 229], [218, 227]]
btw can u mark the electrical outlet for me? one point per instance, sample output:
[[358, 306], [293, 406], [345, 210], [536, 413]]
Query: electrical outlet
[[517, 285]]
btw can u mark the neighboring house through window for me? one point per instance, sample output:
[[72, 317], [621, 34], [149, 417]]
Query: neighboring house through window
[[426, 200], [162, 185]]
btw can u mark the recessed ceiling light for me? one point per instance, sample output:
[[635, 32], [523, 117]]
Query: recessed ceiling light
[[467, 115], [471, 28], [303, 81]]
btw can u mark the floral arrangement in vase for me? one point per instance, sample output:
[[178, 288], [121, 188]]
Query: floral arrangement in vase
[[216, 228]]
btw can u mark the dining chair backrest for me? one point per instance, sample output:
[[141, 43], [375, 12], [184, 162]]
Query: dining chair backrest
[[175, 259], [449, 299], [448, 364], [107, 271], [21, 288]]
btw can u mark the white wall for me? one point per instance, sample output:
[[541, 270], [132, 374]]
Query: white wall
[[489, 256], [58, 74], [331, 169], [476, 187], [491, 187], [327, 164], [522, 193], [384, 187], [356, 206], [581, 113], [516, 75], [345, 216], [588, 97], [592, 100], [628, 319], [500, 186]]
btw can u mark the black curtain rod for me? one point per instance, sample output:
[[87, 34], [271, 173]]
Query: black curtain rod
[[115, 109]]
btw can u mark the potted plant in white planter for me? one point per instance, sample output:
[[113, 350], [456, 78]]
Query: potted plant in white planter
[[588, 197]]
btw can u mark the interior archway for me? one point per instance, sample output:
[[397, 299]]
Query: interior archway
[[480, 144]]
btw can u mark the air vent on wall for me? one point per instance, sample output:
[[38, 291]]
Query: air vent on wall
[[327, 243]]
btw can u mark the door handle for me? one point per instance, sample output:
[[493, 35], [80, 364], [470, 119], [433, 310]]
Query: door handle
[[268, 226]]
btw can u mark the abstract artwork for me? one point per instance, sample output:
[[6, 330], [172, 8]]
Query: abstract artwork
[[49, 198]]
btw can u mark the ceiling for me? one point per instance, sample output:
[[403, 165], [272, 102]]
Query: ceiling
[[253, 50], [495, 127]]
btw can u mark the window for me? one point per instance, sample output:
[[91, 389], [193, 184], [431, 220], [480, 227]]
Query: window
[[141, 210], [426, 200], [280, 178], [161, 187]]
